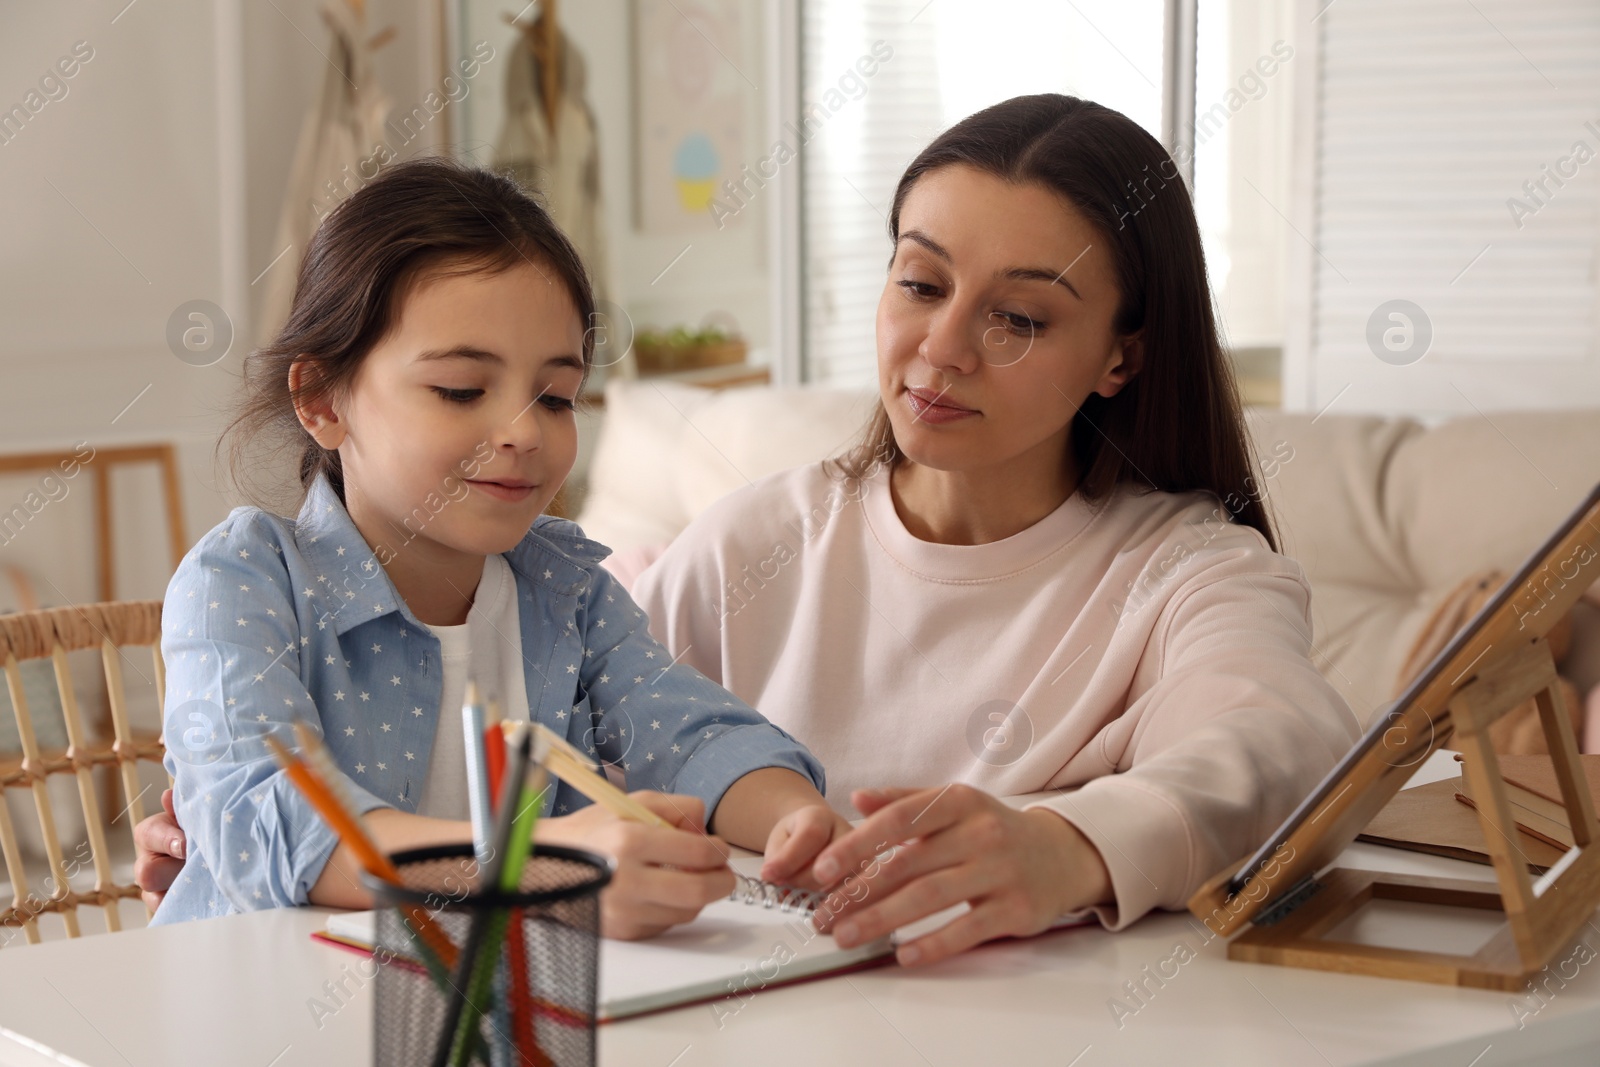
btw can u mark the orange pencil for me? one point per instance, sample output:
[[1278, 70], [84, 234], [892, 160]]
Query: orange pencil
[[350, 832]]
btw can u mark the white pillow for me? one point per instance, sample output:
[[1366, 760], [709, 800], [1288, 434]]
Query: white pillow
[[667, 451], [632, 499], [743, 435]]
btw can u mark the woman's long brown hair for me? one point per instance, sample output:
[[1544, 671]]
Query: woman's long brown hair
[[419, 219], [1177, 425]]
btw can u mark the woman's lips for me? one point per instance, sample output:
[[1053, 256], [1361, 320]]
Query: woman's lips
[[923, 407], [510, 492]]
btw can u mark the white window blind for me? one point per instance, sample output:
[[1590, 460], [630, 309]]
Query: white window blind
[[1437, 128], [946, 60]]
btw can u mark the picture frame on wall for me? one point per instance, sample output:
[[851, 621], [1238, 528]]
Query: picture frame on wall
[[692, 125]]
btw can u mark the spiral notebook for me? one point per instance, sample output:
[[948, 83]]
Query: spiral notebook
[[734, 948]]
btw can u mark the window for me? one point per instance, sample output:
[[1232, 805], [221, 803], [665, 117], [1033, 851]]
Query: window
[[1451, 230], [1245, 67]]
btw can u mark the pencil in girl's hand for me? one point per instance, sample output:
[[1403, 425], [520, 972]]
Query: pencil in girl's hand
[[556, 754]]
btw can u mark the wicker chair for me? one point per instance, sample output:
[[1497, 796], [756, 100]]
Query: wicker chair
[[51, 634]]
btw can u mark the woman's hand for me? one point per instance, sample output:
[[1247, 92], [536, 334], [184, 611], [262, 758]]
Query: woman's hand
[[795, 841], [1019, 870], [159, 848], [663, 877]]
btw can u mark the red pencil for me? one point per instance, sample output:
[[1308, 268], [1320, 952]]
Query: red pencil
[[494, 752]]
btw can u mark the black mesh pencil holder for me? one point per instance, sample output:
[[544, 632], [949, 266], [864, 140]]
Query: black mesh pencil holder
[[500, 979]]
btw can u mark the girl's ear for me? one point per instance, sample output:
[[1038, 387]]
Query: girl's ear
[[316, 414], [1127, 361]]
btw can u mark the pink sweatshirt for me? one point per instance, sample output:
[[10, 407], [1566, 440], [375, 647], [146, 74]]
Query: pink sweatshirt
[[1148, 662]]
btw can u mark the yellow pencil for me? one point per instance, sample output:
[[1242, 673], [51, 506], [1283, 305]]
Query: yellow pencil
[[553, 752]]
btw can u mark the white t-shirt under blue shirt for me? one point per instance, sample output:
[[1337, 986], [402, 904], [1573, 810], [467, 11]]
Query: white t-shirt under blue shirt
[[488, 649]]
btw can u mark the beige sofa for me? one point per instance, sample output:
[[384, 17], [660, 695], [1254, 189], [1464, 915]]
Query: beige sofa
[[1386, 515]]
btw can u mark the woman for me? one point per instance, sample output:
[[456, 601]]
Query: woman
[[1046, 568]]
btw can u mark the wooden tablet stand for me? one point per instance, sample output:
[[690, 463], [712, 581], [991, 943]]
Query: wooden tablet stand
[[1498, 661], [1541, 918]]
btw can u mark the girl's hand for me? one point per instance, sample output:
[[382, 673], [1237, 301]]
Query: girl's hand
[[1019, 870], [663, 877], [795, 841]]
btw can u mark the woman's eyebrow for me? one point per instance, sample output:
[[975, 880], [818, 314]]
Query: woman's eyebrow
[[927, 242], [1025, 274], [1039, 274]]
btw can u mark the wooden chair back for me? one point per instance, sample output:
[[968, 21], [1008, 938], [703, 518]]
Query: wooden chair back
[[100, 464], [51, 634]]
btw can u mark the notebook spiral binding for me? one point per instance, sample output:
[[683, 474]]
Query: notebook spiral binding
[[790, 898]]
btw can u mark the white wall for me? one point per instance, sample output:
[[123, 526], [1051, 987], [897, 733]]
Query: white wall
[[111, 221], [133, 193]]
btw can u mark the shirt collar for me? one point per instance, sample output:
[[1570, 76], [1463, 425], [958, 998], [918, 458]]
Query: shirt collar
[[554, 554], [352, 584]]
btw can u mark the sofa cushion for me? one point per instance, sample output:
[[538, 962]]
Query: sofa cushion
[[1484, 491], [667, 451], [632, 497], [1387, 516], [1318, 476], [741, 435]]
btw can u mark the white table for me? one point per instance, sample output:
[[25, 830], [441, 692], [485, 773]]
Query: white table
[[236, 992]]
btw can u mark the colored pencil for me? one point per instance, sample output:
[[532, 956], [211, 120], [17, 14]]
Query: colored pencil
[[474, 968], [516, 946], [347, 825], [319, 778], [494, 750], [477, 774], [556, 754]]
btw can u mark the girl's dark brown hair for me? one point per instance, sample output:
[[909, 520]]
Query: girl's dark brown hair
[[420, 219], [1177, 425]]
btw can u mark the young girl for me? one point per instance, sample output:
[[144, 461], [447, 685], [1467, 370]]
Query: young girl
[[1047, 570], [426, 380]]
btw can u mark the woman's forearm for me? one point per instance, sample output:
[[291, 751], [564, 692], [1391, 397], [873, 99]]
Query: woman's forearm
[[339, 884]]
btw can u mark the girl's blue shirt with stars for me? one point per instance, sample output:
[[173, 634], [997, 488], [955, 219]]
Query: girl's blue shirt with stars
[[269, 620]]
